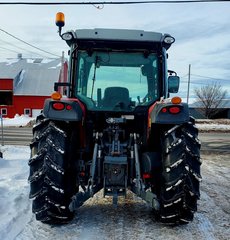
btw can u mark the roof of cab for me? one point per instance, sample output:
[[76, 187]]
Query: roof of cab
[[118, 34]]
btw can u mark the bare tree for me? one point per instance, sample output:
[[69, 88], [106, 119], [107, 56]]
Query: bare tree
[[210, 98]]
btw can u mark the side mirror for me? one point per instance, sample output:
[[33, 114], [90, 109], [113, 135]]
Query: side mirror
[[173, 84]]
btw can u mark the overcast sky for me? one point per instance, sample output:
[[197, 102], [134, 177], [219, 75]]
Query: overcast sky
[[202, 32]]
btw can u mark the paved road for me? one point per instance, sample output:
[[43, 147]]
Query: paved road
[[16, 136], [215, 142]]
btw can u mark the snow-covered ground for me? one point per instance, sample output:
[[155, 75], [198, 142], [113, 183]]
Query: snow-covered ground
[[221, 125], [17, 121], [14, 204], [98, 219]]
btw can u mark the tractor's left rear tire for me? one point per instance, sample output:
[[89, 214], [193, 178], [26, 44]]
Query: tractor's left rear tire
[[180, 174], [52, 176]]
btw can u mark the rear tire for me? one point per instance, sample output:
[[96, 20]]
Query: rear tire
[[180, 173], [52, 171]]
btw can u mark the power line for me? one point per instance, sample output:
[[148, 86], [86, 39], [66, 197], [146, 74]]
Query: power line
[[197, 83], [221, 79], [114, 3], [25, 50], [202, 76], [194, 83], [28, 43]]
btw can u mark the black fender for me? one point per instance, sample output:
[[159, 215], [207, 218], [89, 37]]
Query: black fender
[[161, 113], [69, 109]]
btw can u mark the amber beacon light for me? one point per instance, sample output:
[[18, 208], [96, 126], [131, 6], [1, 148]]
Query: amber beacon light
[[60, 21]]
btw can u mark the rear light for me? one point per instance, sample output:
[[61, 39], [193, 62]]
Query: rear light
[[147, 175], [82, 174], [56, 96], [176, 100], [164, 110], [58, 106], [174, 110], [68, 107]]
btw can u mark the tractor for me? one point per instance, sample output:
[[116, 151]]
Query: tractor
[[113, 127]]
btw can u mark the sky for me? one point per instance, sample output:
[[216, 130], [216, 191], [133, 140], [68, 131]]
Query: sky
[[201, 30]]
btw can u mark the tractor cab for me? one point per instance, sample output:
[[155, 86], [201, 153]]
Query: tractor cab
[[118, 69], [116, 80]]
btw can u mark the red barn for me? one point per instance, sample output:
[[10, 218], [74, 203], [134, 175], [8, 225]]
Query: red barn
[[26, 83]]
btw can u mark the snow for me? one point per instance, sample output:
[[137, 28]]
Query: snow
[[17, 121], [14, 207], [21, 76], [9, 61], [47, 60], [30, 60], [213, 127]]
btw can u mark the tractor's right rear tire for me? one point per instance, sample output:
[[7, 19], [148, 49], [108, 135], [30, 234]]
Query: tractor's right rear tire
[[52, 176], [180, 173]]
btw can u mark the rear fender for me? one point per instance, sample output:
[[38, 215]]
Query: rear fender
[[166, 113], [64, 109]]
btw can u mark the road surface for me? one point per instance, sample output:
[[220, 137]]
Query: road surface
[[213, 141], [16, 136]]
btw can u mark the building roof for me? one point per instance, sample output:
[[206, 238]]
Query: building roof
[[31, 76]]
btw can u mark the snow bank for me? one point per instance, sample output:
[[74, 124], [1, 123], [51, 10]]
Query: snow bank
[[17, 121], [220, 125], [9, 61], [213, 127], [14, 205]]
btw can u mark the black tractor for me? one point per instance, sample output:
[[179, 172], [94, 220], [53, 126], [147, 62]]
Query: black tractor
[[116, 129]]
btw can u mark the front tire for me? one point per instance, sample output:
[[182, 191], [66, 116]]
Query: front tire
[[52, 171], [180, 173]]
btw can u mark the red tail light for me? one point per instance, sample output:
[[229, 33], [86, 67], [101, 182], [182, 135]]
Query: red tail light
[[58, 106], [68, 107], [147, 175], [82, 174], [174, 110]]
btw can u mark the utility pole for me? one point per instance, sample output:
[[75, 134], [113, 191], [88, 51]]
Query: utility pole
[[62, 66], [189, 75], [1, 155], [1, 118], [62, 71]]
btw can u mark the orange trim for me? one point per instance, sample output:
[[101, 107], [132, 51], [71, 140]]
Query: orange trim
[[56, 96], [149, 119]]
